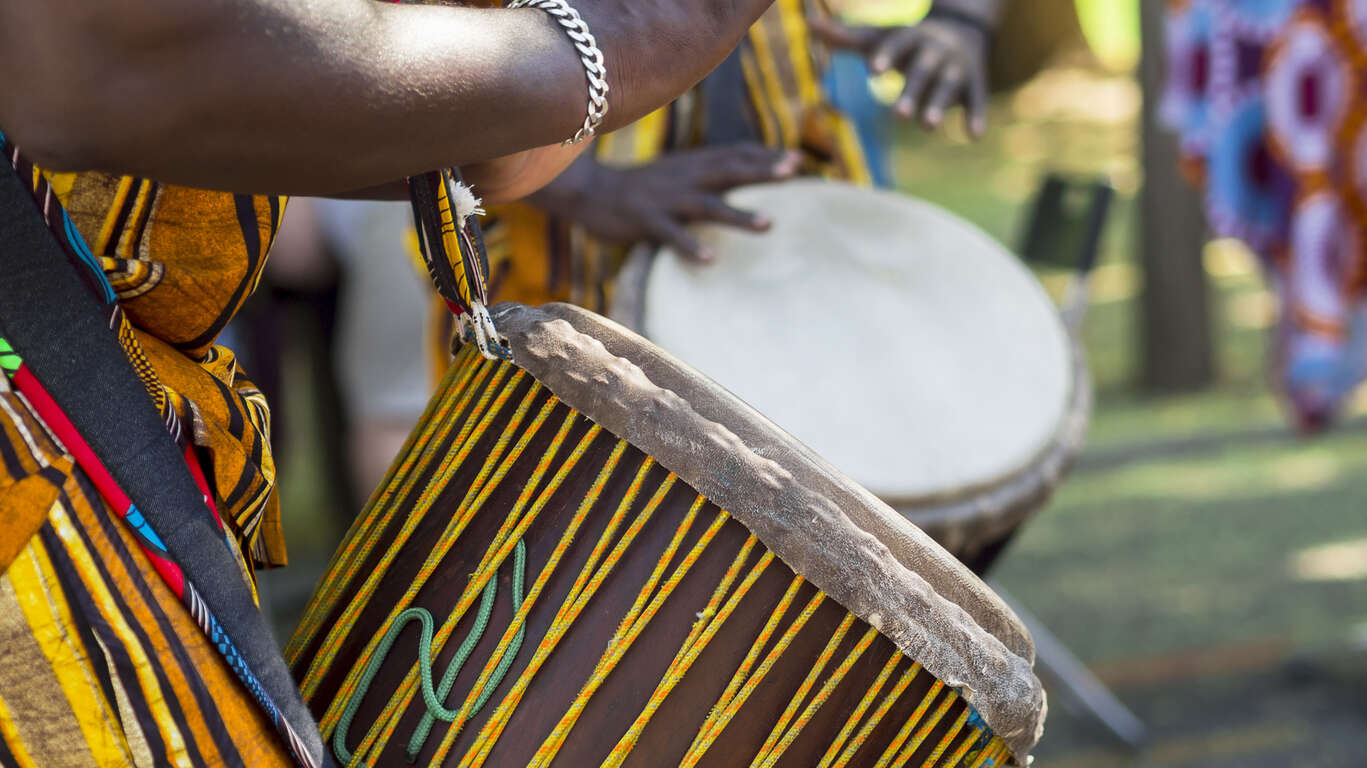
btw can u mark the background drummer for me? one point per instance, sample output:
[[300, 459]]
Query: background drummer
[[763, 115]]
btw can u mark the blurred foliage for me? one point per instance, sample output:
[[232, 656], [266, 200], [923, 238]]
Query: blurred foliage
[[1112, 30], [882, 12], [1111, 27]]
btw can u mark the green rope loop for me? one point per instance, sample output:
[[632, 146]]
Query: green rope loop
[[435, 713], [434, 696]]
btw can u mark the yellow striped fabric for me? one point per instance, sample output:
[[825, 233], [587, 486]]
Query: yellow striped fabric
[[102, 665], [182, 262]]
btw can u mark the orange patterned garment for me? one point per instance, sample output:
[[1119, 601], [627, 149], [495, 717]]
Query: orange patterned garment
[[104, 664], [182, 262]]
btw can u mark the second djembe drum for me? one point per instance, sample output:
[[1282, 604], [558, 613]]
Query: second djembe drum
[[897, 340]]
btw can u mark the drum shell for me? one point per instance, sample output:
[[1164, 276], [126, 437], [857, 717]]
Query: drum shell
[[629, 687]]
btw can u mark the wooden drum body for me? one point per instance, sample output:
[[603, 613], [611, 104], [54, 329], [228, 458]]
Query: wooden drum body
[[898, 341], [677, 583]]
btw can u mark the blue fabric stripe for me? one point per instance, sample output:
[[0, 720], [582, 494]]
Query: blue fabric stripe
[[141, 525], [83, 251]]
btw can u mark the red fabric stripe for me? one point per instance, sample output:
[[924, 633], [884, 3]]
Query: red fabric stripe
[[170, 572], [56, 420], [197, 472]]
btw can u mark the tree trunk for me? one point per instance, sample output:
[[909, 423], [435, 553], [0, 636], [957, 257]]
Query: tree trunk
[[1175, 323]]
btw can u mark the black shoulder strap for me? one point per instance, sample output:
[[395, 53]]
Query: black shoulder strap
[[58, 329]]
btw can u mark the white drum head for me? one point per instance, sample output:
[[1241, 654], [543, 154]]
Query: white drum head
[[896, 340]]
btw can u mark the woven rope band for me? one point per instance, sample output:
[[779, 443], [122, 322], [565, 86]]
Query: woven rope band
[[589, 53]]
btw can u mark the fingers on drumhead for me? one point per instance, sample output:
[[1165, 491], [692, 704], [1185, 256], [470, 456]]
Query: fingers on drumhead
[[713, 208], [975, 103], [749, 164], [894, 48]]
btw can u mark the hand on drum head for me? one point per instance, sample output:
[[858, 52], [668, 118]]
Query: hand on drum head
[[944, 60], [655, 202]]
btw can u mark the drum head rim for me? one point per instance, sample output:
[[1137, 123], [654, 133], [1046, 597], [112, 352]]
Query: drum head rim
[[939, 482], [998, 511], [1063, 438]]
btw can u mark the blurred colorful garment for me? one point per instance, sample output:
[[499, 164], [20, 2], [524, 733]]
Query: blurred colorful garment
[[1267, 98]]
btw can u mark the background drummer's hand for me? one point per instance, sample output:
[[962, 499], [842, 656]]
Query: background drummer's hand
[[944, 61], [654, 202]]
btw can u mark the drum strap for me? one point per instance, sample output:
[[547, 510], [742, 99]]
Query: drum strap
[[445, 212], [57, 348]]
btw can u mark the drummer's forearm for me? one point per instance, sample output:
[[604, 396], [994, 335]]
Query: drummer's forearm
[[987, 11], [281, 96]]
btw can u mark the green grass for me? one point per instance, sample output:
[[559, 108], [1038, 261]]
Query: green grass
[[1185, 553]]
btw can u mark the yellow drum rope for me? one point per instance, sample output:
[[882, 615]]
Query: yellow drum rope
[[854, 745], [778, 748]]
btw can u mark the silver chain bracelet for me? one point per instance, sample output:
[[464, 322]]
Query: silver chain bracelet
[[589, 53]]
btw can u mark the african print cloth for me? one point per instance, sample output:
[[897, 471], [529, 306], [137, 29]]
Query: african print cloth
[[103, 665], [113, 656], [534, 258], [1269, 101], [181, 262]]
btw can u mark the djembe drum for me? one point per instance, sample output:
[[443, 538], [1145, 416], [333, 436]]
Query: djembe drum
[[943, 379], [594, 556]]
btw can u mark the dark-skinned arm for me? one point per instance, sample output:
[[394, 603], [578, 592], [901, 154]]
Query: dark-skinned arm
[[298, 96]]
